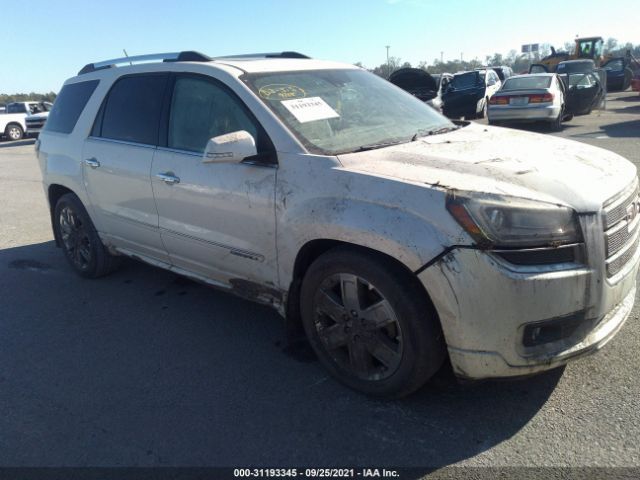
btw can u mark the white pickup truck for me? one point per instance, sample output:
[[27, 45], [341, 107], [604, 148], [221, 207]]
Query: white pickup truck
[[14, 123]]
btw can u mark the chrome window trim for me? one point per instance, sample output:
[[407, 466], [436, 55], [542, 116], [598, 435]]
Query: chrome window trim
[[122, 142]]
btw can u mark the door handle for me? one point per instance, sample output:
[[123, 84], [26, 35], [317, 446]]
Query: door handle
[[168, 178], [92, 162]]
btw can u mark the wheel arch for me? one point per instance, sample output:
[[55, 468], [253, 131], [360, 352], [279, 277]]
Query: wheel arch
[[54, 193], [14, 124], [311, 251]]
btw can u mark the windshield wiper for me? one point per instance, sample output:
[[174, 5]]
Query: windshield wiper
[[435, 131], [374, 146]]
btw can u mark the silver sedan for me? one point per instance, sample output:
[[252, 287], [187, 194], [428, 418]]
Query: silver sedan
[[529, 98]]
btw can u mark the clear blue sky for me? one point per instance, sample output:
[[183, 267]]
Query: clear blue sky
[[52, 39]]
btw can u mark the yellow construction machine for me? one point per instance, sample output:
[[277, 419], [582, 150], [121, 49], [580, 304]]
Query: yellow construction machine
[[586, 47]]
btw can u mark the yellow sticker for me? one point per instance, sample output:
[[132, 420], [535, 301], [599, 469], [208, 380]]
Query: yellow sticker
[[278, 91]]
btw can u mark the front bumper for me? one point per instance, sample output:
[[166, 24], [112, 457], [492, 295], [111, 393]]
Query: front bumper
[[485, 304], [523, 114]]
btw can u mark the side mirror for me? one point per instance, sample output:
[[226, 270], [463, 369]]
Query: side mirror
[[230, 148]]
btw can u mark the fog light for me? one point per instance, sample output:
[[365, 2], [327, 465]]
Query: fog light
[[555, 329]]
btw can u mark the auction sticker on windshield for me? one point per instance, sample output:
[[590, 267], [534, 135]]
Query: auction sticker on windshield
[[280, 91], [309, 109]]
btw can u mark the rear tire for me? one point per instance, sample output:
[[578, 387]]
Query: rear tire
[[79, 239], [14, 132], [370, 323], [556, 124]]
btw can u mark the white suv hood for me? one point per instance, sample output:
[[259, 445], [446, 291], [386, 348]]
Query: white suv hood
[[503, 161]]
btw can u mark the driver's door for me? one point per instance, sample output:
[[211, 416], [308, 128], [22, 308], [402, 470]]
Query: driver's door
[[216, 219]]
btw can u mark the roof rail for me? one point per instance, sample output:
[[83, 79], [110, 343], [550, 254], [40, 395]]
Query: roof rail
[[186, 56], [247, 56]]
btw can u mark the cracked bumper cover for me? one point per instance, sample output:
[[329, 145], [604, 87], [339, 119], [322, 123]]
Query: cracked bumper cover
[[485, 304]]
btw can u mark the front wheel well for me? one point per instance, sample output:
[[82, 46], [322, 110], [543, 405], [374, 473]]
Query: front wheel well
[[305, 257]]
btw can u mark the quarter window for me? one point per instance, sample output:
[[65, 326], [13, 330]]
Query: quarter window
[[132, 109], [69, 105], [201, 110]]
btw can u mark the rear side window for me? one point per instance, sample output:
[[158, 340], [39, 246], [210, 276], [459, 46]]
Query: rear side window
[[69, 105], [132, 110], [16, 108]]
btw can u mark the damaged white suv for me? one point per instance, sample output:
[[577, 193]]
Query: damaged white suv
[[393, 236]]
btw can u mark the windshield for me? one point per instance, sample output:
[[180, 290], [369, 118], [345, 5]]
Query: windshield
[[340, 111], [466, 80], [527, 83]]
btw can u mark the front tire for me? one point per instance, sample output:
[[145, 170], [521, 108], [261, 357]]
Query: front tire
[[14, 132], [79, 239], [370, 323]]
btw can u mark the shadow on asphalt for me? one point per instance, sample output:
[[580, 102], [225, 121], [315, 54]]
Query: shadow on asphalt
[[622, 129], [146, 368], [634, 97], [17, 143], [628, 129], [633, 109]]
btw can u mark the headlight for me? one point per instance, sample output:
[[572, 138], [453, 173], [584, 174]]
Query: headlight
[[514, 222]]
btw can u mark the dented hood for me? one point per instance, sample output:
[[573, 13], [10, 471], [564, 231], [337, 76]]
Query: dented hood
[[502, 161]]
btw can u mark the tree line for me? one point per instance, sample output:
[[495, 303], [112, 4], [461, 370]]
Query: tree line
[[517, 61], [27, 97]]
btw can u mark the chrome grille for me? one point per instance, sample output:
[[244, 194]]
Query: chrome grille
[[620, 235], [621, 218], [615, 265]]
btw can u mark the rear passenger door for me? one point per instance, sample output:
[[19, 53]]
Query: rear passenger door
[[583, 93], [216, 219], [117, 159]]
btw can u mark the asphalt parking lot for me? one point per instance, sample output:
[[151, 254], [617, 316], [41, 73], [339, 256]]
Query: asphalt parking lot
[[145, 368]]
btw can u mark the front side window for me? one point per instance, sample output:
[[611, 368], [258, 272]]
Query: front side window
[[201, 110], [614, 65], [69, 105], [340, 111], [132, 109]]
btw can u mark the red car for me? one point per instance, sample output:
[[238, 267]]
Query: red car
[[635, 83]]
